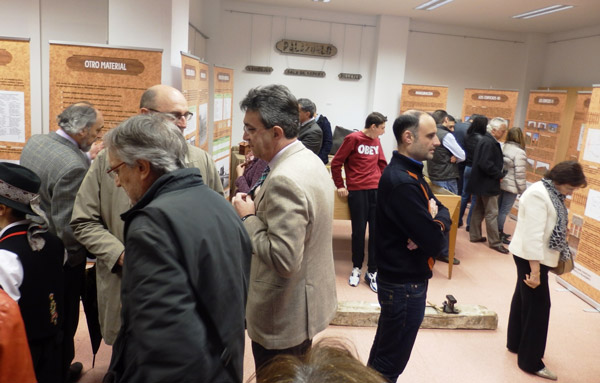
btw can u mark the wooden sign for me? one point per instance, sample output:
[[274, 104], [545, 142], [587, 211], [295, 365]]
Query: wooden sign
[[258, 69], [350, 76], [304, 72], [306, 48], [582, 105], [223, 109]]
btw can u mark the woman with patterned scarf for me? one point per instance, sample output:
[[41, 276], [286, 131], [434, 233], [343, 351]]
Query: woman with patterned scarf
[[539, 241]]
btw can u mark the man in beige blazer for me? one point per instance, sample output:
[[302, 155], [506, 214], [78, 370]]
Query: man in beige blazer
[[289, 218]]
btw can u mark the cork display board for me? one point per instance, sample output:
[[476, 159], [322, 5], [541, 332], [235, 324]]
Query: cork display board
[[223, 109], [490, 103], [195, 85], [15, 97], [427, 98], [112, 79], [543, 131], [584, 209]]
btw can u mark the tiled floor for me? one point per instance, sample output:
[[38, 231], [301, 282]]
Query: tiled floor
[[484, 277]]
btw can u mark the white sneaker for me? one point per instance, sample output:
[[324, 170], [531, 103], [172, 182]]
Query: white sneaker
[[371, 279], [354, 277]]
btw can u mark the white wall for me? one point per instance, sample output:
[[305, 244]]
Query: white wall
[[240, 39], [65, 20], [441, 55], [573, 58]]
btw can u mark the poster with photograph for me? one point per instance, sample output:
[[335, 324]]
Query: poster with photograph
[[113, 79], [15, 97], [584, 211], [490, 103], [194, 85], [221, 145], [427, 98], [545, 112]]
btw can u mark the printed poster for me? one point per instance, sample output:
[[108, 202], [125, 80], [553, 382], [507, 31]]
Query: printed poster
[[195, 85], [584, 212], [543, 128], [427, 98], [221, 146], [490, 103], [112, 79], [15, 97]]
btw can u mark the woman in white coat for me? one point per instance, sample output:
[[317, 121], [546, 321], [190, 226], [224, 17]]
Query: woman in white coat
[[513, 183], [540, 240]]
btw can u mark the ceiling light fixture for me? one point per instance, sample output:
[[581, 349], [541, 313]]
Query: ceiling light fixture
[[432, 4], [321, 1], [543, 11]]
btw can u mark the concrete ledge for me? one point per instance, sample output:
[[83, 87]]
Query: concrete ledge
[[366, 314]]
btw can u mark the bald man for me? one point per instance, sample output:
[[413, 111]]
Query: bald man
[[96, 219]]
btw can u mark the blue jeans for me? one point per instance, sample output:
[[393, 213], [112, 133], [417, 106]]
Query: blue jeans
[[464, 198], [402, 311], [505, 202], [450, 185]]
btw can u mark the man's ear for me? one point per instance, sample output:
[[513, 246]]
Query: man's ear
[[407, 136], [144, 168], [278, 132], [144, 111]]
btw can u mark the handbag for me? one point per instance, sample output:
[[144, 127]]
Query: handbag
[[564, 266], [338, 137]]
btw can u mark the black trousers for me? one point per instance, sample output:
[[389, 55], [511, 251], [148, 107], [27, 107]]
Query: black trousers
[[262, 356], [47, 359], [74, 280], [362, 204], [529, 318]]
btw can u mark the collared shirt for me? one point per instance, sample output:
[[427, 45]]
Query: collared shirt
[[280, 153], [452, 145], [11, 269], [64, 134]]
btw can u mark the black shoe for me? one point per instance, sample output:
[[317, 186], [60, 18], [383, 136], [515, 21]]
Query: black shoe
[[467, 228], [460, 223], [505, 241], [74, 373], [445, 259], [500, 249], [482, 239]]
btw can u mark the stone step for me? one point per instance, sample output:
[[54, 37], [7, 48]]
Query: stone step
[[470, 316]]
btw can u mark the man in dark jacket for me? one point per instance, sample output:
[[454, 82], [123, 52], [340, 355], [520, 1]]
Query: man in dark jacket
[[486, 175], [411, 224], [185, 275]]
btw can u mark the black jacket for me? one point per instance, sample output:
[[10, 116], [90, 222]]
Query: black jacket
[[470, 144], [402, 213], [184, 289], [487, 172]]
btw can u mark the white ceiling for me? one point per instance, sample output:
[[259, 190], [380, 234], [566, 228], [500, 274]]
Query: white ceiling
[[487, 14]]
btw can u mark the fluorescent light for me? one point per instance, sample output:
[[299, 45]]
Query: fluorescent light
[[322, 1], [543, 11], [432, 4]]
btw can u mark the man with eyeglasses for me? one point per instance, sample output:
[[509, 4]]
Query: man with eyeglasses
[[59, 159], [96, 219]]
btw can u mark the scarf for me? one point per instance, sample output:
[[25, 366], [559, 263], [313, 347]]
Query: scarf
[[558, 238]]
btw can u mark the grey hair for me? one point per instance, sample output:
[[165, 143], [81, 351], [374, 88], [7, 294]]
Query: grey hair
[[276, 106], [77, 117], [307, 106], [496, 123], [149, 137]]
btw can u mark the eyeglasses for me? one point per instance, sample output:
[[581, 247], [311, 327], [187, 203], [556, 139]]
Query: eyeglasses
[[175, 116], [111, 172]]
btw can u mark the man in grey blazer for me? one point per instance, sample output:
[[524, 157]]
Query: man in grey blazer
[[310, 133], [289, 218], [60, 160]]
